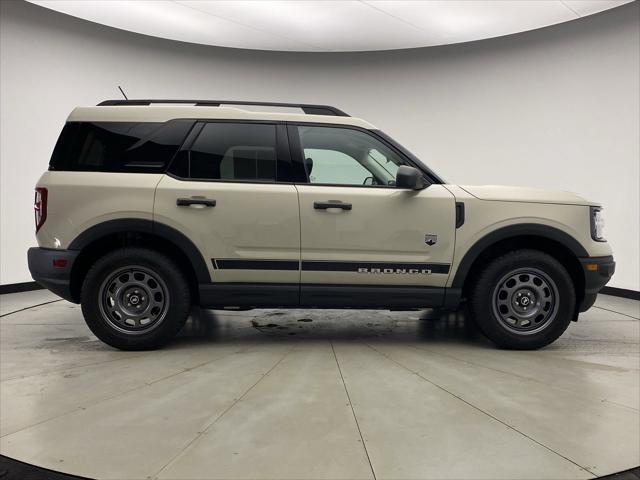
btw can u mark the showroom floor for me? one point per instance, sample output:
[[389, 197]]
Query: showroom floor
[[319, 394]]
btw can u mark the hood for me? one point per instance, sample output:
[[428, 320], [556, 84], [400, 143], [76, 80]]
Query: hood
[[503, 193]]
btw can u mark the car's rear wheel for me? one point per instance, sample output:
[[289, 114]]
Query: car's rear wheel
[[135, 299], [524, 299]]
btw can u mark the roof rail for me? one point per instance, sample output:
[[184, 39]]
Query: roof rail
[[308, 109]]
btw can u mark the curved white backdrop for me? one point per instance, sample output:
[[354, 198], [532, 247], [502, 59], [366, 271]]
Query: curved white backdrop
[[557, 107], [328, 25]]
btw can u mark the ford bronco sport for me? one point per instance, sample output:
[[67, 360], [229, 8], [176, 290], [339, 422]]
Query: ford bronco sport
[[151, 206]]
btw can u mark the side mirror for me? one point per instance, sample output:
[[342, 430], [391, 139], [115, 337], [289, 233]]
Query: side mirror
[[409, 177]]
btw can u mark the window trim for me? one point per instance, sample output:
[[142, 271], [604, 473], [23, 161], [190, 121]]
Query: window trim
[[296, 153]]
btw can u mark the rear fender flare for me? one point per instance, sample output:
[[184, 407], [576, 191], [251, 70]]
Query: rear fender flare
[[139, 225]]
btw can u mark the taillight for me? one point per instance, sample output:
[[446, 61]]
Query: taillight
[[40, 207]]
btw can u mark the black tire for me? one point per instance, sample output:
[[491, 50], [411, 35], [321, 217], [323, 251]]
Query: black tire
[[163, 299], [497, 300]]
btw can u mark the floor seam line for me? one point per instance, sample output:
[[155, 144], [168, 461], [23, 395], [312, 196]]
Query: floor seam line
[[32, 306], [37, 324], [50, 372], [470, 363], [111, 397], [619, 313], [355, 417], [481, 410], [203, 431], [528, 379]]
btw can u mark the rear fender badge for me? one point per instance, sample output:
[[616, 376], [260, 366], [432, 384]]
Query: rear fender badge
[[430, 239]]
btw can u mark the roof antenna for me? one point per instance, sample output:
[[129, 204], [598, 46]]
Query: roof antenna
[[122, 92]]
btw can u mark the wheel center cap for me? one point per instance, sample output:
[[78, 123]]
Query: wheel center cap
[[524, 299], [134, 299]]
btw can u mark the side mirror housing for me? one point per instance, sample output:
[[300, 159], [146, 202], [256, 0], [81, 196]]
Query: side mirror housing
[[410, 177]]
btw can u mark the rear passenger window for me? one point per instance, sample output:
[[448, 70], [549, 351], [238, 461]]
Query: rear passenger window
[[234, 151], [118, 146]]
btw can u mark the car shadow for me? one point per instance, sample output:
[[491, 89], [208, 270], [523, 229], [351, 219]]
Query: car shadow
[[264, 326]]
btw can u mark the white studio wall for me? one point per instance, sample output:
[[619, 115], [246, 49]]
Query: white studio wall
[[557, 107]]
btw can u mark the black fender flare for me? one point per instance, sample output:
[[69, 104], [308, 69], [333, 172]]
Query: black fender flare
[[519, 230], [140, 225]]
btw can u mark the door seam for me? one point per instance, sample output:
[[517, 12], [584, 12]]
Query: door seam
[[299, 246]]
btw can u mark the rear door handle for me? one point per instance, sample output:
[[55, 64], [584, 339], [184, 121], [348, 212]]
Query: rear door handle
[[332, 204], [185, 202]]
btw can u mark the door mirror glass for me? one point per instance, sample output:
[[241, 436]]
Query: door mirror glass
[[409, 177]]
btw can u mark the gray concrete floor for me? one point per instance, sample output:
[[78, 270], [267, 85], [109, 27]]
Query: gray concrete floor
[[303, 394]]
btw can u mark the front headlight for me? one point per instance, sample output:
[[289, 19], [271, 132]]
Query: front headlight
[[597, 224]]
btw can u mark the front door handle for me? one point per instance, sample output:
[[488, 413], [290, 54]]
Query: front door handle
[[185, 202], [332, 204]]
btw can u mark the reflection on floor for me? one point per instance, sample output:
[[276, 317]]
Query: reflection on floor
[[319, 394]]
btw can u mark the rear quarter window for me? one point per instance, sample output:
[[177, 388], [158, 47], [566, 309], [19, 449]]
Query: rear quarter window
[[137, 147]]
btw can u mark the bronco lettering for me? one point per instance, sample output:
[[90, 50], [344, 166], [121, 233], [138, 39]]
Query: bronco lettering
[[405, 271]]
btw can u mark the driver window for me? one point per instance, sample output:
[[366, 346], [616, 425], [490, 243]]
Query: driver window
[[331, 166], [342, 156]]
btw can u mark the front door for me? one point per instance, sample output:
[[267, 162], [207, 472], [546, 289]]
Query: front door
[[365, 242], [224, 192]]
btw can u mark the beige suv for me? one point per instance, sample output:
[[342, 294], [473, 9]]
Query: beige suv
[[151, 206]]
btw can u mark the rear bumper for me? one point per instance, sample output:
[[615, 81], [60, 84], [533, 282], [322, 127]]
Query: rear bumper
[[597, 272], [54, 276]]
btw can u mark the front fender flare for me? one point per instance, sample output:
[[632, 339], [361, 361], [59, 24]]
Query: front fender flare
[[511, 231]]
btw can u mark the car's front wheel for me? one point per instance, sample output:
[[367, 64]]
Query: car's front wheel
[[524, 299], [135, 299]]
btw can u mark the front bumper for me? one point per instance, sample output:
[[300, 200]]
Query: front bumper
[[597, 272], [52, 269]]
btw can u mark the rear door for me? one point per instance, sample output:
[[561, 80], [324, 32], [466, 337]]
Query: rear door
[[365, 242], [229, 190]]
